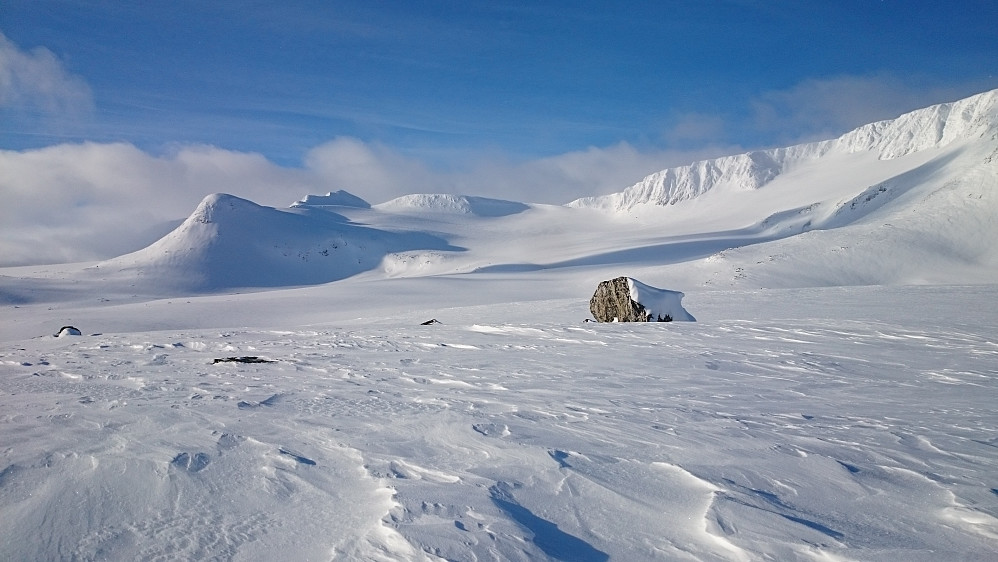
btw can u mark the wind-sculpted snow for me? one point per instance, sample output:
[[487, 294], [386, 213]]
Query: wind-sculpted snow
[[973, 118], [744, 436]]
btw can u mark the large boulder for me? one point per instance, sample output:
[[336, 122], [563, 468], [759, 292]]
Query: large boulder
[[627, 300]]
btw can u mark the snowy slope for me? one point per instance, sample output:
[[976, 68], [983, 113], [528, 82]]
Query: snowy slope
[[936, 223], [231, 242], [934, 127], [802, 425], [457, 204]]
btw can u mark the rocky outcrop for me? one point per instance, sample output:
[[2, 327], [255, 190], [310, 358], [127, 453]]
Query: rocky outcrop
[[612, 303], [626, 300]]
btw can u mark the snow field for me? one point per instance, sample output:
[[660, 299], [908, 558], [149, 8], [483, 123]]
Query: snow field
[[820, 408], [725, 439]]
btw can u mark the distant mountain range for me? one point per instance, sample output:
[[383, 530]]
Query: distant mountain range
[[909, 200]]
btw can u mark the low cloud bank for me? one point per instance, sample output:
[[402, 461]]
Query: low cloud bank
[[90, 201]]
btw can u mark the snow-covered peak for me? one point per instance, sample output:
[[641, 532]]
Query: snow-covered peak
[[453, 204], [339, 198], [972, 118], [217, 206], [231, 242]]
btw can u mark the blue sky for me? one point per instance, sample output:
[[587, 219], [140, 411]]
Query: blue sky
[[118, 116], [442, 79]]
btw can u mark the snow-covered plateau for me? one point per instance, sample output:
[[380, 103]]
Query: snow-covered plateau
[[258, 384]]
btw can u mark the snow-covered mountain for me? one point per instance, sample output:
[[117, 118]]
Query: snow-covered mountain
[[231, 242], [455, 204], [910, 200], [969, 119], [339, 198], [801, 417]]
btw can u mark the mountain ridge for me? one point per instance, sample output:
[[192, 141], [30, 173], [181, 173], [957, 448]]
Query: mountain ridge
[[935, 126], [912, 198]]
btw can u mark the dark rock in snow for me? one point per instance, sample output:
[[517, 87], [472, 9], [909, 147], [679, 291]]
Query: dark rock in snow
[[612, 303], [243, 359], [626, 300]]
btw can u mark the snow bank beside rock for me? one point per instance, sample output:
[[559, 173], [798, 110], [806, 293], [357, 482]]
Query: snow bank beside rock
[[627, 300]]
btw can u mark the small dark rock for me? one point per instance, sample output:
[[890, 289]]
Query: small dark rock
[[243, 359]]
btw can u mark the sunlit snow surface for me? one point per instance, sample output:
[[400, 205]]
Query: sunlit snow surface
[[817, 409], [783, 424]]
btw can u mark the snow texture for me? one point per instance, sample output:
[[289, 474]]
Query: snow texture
[[257, 385], [659, 303]]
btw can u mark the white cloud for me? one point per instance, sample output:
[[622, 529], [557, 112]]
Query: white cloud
[[695, 128], [828, 107], [562, 178], [37, 80], [372, 171], [78, 202], [75, 202], [378, 173]]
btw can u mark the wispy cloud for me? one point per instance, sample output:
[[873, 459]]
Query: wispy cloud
[[74, 202], [828, 107], [378, 173], [37, 80], [78, 202], [814, 109]]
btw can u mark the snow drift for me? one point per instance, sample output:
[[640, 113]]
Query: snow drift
[[624, 299]]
